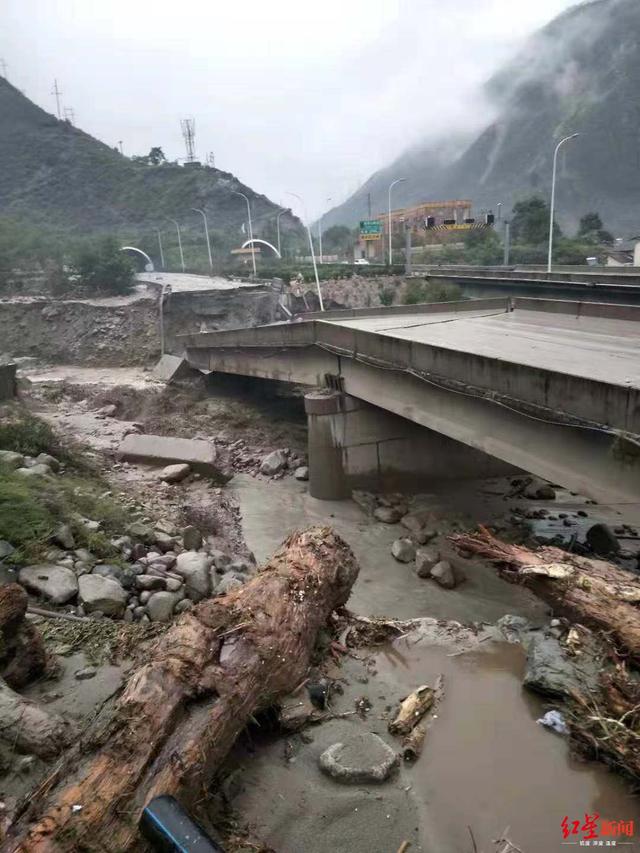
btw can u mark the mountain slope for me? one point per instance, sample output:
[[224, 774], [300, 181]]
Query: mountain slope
[[55, 174], [581, 73]]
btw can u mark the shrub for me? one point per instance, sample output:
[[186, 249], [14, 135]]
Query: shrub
[[386, 296], [104, 268], [417, 292]]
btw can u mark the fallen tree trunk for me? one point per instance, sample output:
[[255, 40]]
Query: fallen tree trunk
[[180, 713], [594, 592]]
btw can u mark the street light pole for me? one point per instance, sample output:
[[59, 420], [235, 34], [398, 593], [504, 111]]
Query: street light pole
[[553, 194], [160, 247], [206, 233], [284, 210], [391, 186], [320, 234], [313, 256], [253, 248], [179, 243]]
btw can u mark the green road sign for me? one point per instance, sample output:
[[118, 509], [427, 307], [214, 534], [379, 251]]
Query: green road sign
[[370, 229]]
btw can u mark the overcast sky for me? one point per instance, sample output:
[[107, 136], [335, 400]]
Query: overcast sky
[[290, 95]]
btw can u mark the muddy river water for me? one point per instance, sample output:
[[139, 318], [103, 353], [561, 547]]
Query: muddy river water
[[487, 765]]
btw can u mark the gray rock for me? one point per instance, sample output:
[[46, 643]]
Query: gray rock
[[551, 671], [404, 550], [194, 568], [84, 556], [241, 567], [51, 461], [175, 473], [107, 411], [387, 514], [144, 596], [173, 584], [128, 576], [513, 628], [128, 615], [183, 606], [150, 582], [425, 535], [363, 758], [57, 584], [444, 575], [191, 538], [139, 612], [35, 471], [10, 459], [160, 606], [142, 532], [602, 539], [6, 549], [108, 571], [301, 473], [167, 560], [86, 673], [539, 490], [220, 560], [103, 594], [138, 551], [163, 541], [229, 582], [426, 559], [273, 463]]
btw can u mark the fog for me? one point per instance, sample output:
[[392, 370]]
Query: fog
[[289, 96]]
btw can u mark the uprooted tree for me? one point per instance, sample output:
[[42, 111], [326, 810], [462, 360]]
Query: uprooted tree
[[224, 661]]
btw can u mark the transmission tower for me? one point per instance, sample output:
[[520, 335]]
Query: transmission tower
[[211, 159], [188, 126], [70, 115], [57, 93]]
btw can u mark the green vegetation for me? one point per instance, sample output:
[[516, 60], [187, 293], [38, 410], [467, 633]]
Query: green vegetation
[[103, 268], [386, 296], [31, 508], [417, 292]]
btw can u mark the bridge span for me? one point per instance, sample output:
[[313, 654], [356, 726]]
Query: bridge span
[[457, 389]]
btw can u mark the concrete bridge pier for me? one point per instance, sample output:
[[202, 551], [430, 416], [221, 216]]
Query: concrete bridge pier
[[354, 445]]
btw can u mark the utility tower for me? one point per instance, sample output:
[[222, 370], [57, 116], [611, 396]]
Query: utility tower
[[211, 159], [70, 115], [57, 93], [188, 126]]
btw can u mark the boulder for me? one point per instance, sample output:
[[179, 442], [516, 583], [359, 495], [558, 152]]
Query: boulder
[[602, 539], [387, 514], [175, 473], [538, 490], [51, 461], [147, 582], [191, 538], [301, 473], [160, 606], [362, 758], [404, 550], [11, 460], [163, 541], [173, 584], [103, 594], [6, 549], [444, 575], [273, 463], [426, 559], [229, 582], [551, 671], [194, 568], [57, 584]]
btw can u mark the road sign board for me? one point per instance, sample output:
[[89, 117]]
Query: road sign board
[[370, 229]]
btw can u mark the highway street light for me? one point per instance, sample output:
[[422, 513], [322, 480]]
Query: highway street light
[[160, 247], [179, 243], [553, 194], [320, 234], [391, 186], [253, 248], [284, 210], [206, 233], [313, 256]]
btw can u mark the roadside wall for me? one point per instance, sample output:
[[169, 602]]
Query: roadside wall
[[355, 292]]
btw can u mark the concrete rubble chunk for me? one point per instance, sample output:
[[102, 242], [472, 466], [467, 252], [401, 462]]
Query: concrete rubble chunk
[[363, 758], [57, 584], [172, 368], [103, 594], [273, 463], [194, 568], [175, 473], [404, 550], [11, 459], [167, 450]]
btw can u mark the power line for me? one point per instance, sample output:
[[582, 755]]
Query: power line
[[57, 93]]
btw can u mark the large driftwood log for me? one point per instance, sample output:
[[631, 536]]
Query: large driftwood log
[[594, 592], [181, 712]]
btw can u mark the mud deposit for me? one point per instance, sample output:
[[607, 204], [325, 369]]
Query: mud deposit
[[486, 765]]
